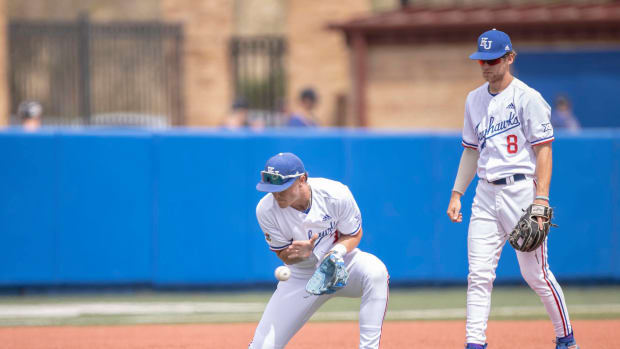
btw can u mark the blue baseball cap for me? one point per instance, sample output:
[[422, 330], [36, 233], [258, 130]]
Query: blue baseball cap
[[281, 171], [492, 44]]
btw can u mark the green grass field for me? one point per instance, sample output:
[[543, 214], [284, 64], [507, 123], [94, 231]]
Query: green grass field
[[203, 307]]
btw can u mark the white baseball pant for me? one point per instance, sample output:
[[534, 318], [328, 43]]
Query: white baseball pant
[[291, 306], [495, 212]]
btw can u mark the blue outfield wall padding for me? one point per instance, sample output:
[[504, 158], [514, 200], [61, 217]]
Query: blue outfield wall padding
[[202, 222], [582, 195], [104, 214], [615, 189], [177, 207], [591, 89], [28, 211]]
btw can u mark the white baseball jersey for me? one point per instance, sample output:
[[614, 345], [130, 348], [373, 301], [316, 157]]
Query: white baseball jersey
[[332, 211], [501, 127]]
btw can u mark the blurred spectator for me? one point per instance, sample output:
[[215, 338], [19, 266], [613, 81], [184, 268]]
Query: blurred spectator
[[239, 117], [30, 113], [562, 116], [304, 117]]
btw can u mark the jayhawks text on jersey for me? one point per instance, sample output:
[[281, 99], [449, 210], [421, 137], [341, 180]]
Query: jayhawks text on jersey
[[504, 127]]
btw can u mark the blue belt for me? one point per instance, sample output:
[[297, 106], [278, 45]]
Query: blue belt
[[517, 177]]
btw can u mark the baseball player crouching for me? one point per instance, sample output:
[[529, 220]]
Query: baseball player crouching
[[507, 137], [314, 226]]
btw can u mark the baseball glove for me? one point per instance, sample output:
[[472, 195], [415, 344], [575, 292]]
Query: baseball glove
[[527, 235], [329, 277]]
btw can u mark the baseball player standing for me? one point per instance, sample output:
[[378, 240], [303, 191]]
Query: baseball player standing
[[507, 139], [305, 219]]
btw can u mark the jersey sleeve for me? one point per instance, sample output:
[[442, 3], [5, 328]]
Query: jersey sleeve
[[349, 215], [537, 120], [470, 140], [273, 236]]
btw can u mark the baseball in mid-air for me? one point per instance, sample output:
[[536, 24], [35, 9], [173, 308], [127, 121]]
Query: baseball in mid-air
[[282, 273]]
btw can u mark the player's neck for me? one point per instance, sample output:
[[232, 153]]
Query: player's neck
[[498, 86], [304, 204]]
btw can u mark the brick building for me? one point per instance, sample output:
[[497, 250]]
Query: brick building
[[372, 63], [411, 65], [207, 29]]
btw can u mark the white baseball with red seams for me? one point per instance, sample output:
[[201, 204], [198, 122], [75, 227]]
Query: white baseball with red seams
[[282, 273], [504, 128]]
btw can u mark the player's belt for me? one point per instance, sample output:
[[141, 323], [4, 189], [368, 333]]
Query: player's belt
[[509, 179]]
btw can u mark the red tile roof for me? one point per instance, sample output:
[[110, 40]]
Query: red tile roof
[[562, 20]]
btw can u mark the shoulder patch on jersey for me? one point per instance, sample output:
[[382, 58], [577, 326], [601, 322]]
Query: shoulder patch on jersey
[[267, 237]]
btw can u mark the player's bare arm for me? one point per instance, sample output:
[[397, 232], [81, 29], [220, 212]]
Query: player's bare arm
[[299, 251], [351, 241], [302, 249], [544, 165]]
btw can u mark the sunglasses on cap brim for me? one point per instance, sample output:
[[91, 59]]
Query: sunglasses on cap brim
[[495, 61], [276, 178]]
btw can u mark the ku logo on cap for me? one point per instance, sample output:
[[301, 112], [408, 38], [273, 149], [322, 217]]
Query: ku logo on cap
[[486, 44]]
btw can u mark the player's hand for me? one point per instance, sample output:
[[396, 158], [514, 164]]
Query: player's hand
[[540, 220], [454, 208], [299, 249]]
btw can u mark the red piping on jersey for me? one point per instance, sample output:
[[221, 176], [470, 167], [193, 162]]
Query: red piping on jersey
[[468, 146], [545, 142]]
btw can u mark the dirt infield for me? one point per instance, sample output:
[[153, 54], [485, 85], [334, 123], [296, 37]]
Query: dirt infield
[[414, 334]]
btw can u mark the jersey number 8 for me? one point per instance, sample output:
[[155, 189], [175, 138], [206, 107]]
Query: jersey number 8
[[512, 144]]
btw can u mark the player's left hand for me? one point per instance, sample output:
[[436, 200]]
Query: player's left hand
[[539, 219], [329, 277], [527, 235]]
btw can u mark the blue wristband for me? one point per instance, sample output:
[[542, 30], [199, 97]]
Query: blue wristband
[[540, 197]]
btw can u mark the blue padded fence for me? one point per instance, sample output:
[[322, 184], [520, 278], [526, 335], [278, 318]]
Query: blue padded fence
[[176, 207]]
